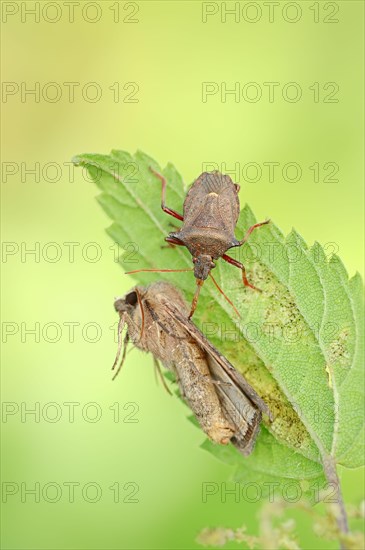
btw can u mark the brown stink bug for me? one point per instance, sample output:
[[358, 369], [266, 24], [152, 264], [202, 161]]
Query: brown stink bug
[[225, 405], [211, 210]]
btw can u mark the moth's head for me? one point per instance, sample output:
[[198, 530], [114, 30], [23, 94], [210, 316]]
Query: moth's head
[[127, 307], [128, 303], [203, 264]]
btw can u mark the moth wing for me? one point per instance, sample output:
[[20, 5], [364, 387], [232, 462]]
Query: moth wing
[[238, 408], [242, 405], [225, 365]]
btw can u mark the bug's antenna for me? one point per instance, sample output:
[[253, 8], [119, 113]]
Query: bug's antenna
[[159, 270], [225, 296]]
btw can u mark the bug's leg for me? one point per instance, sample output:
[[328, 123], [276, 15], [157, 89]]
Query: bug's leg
[[249, 231], [163, 205], [172, 242], [243, 269]]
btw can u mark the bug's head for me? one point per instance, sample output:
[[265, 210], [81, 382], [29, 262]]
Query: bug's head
[[203, 264]]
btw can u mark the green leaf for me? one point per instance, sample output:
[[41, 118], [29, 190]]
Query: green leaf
[[275, 469], [299, 342]]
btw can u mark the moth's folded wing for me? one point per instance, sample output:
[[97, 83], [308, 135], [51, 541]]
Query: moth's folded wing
[[235, 376], [239, 409]]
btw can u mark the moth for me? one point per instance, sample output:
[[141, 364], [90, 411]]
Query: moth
[[225, 405], [211, 210]]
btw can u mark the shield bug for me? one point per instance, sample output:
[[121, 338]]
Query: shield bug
[[225, 405], [211, 210]]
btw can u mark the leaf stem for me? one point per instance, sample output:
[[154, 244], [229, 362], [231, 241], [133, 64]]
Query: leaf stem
[[329, 466]]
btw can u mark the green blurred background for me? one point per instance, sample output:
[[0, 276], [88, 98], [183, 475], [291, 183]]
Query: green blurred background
[[167, 52]]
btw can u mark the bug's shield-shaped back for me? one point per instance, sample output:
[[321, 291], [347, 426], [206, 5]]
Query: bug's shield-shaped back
[[212, 197]]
